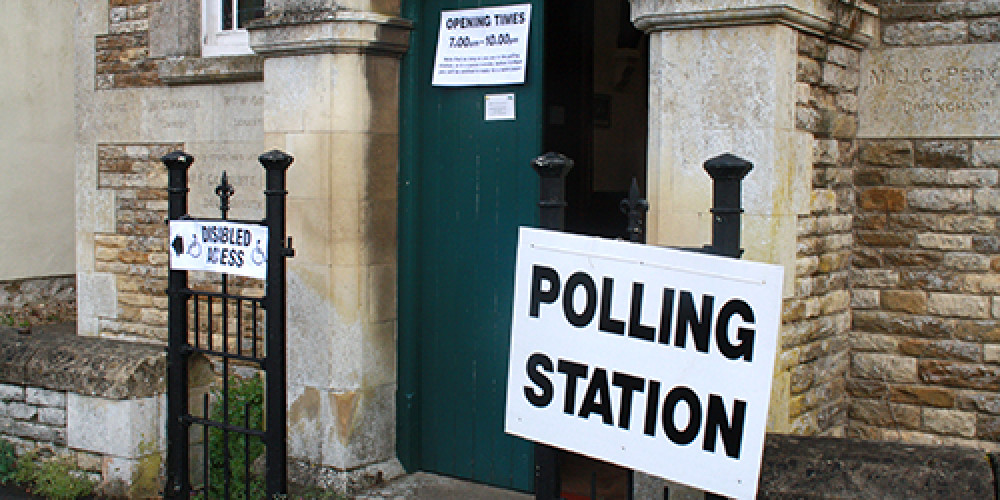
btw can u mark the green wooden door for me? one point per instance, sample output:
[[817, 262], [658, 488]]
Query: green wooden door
[[465, 187]]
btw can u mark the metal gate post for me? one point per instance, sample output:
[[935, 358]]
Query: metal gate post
[[178, 483], [276, 166], [552, 169], [727, 172]]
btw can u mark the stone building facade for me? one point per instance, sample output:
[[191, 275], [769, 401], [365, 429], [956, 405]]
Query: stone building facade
[[872, 127]]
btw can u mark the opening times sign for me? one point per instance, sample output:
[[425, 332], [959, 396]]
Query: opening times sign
[[655, 359], [486, 46]]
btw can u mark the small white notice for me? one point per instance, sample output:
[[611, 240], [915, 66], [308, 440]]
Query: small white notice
[[487, 46], [655, 359], [500, 107], [219, 246]]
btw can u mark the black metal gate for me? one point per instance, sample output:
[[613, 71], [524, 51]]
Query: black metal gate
[[236, 434]]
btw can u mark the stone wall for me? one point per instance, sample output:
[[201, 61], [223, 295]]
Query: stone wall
[[34, 301], [926, 320], [123, 57], [98, 402], [817, 317], [135, 252]]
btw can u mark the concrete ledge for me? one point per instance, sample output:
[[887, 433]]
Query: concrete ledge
[[196, 70], [55, 358], [821, 467]]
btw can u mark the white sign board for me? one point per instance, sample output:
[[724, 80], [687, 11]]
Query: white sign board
[[486, 46], [219, 246], [655, 359], [499, 107]]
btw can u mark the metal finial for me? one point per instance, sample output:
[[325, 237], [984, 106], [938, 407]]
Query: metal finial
[[224, 191], [635, 207]]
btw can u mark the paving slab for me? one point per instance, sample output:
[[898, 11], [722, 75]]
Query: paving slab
[[425, 486]]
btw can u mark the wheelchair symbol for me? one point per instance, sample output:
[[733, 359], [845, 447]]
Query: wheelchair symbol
[[258, 256], [194, 249]]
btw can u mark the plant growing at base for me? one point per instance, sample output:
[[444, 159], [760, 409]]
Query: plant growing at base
[[246, 406]]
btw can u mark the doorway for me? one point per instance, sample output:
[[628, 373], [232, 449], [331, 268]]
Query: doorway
[[596, 96], [465, 185]]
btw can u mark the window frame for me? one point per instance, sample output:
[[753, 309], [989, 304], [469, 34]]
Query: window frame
[[216, 41]]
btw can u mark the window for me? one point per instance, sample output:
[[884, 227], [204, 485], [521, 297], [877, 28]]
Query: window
[[223, 26]]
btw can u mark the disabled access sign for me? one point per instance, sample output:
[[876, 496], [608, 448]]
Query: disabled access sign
[[219, 246]]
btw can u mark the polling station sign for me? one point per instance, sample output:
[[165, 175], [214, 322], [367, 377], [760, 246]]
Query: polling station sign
[[485, 46], [219, 246], [655, 359]]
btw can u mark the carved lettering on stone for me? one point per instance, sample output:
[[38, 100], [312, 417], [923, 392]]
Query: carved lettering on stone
[[948, 91]]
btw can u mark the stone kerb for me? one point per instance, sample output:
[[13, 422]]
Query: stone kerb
[[97, 400]]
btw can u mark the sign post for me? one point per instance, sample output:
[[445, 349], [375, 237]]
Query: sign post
[[654, 359]]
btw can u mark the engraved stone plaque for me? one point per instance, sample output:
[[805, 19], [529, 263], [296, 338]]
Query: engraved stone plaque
[[941, 92]]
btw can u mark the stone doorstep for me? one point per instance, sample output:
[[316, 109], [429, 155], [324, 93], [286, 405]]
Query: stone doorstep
[[427, 486]]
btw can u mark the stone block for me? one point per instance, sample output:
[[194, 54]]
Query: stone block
[[973, 178], [9, 392], [991, 353], [988, 427], [961, 261], [925, 33], [940, 200], [983, 402], [883, 199], [838, 79], [987, 200], [921, 395], [884, 367], [844, 57], [865, 298], [959, 305], [885, 414], [874, 278], [52, 416], [938, 241], [981, 283], [910, 301], [19, 411], [942, 349], [943, 154], [45, 397], [949, 422], [37, 432], [984, 30], [888, 153], [961, 375], [985, 154], [113, 427], [808, 70]]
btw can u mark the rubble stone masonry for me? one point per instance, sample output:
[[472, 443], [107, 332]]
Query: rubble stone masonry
[[925, 288], [817, 316], [123, 57], [135, 253]]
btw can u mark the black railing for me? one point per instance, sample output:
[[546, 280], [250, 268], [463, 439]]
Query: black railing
[[235, 332], [727, 172]]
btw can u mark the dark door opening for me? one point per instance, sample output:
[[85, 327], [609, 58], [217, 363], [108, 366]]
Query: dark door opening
[[596, 95], [596, 113]]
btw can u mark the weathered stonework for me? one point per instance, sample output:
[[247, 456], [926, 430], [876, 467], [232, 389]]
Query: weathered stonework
[[920, 349], [122, 55], [97, 401], [33, 301], [817, 317], [134, 253]]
